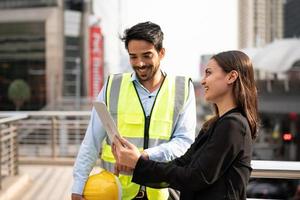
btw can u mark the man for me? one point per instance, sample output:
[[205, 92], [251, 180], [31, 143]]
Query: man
[[153, 110]]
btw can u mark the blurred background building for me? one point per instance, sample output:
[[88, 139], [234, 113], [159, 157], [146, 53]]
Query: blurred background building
[[268, 31], [291, 18], [260, 22], [263, 21], [56, 46]]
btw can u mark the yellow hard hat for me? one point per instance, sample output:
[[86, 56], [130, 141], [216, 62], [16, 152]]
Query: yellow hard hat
[[103, 185]]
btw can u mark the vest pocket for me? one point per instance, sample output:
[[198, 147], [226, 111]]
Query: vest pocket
[[133, 119], [131, 125], [161, 129]]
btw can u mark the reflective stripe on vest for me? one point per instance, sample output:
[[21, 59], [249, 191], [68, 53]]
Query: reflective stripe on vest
[[125, 107]]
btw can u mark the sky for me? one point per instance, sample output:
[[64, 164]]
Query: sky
[[191, 28]]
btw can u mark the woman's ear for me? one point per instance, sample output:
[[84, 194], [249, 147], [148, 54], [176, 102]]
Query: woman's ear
[[232, 76]]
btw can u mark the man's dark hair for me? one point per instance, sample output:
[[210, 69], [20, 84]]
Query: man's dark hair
[[147, 31]]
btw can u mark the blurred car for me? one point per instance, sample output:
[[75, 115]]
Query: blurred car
[[297, 193], [265, 188]]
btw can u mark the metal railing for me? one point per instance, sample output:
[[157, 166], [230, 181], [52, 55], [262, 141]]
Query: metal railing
[[50, 136], [8, 146], [275, 169]]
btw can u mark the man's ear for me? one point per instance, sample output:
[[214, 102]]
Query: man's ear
[[161, 53], [232, 76]]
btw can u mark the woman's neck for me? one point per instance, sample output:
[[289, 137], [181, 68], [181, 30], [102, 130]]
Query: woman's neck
[[225, 105]]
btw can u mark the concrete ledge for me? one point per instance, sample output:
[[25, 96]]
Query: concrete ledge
[[13, 186]]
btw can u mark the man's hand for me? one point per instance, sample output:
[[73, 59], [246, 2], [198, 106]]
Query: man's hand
[[118, 167], [77, 197], [122, 169], [114, 151], [126, 153]]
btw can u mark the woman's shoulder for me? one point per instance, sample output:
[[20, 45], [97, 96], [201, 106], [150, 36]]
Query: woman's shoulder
[[234, 116], [234, 121]]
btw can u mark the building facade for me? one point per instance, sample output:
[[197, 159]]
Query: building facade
[[260, 22], [47, 44]]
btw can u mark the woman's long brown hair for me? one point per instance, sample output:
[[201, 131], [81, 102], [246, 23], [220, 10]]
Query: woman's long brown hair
[[244, 89]]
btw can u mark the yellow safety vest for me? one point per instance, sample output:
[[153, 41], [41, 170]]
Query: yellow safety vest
[[125, 107]]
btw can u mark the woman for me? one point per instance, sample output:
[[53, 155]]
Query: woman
[[217, 165]]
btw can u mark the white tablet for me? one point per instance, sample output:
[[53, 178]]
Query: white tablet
[[107, 120]]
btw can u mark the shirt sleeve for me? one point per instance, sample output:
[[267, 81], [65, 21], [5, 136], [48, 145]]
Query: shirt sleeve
[[208, 163], [89, 149], [186, 158], [183, 136]]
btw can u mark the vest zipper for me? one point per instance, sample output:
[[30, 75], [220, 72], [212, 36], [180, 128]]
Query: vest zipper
[[148, 118]]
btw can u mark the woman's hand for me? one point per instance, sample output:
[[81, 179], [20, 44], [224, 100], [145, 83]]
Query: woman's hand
[[126, 153]]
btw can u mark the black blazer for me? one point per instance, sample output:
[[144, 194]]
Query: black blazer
[[216, 166]]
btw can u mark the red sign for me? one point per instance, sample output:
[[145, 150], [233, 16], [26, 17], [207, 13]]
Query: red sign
[[96, 61]]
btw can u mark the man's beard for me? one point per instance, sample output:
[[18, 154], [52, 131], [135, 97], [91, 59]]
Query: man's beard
[[149, 72]]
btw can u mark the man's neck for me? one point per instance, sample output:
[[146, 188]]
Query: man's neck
[[154, 83]]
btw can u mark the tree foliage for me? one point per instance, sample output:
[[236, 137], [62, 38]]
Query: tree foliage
[[19, 92]]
